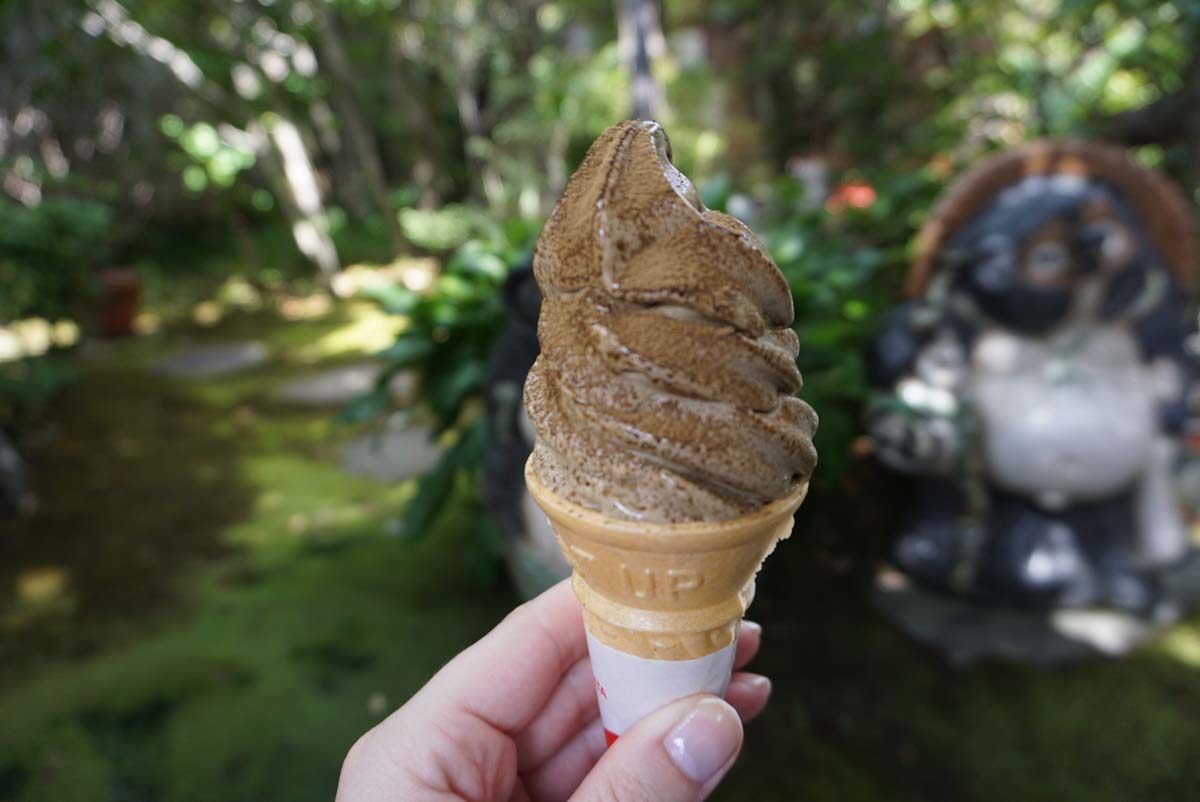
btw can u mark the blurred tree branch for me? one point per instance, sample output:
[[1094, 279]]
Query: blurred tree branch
[[1170, 119], [641, 41], [358, 131]]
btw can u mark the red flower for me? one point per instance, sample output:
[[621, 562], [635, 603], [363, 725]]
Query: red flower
[[855, 194]]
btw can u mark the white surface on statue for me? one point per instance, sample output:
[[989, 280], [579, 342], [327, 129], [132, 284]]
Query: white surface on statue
[[1071, 417], [1161, 537]]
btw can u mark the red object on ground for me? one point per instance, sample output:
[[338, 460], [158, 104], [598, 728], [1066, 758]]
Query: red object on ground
[[121, 289]]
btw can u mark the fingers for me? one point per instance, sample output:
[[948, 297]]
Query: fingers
[[555, 748], [676, 754], [506, 678], [554, 776], [749, 639], [748, 694], [571, 706], [557, 777]]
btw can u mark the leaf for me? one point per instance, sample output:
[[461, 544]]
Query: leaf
[[407, 350], [475, 262], [483, 557], [448, 392], [433, 490], [365, 407], [832, 441], [393, 298], [467, 453]]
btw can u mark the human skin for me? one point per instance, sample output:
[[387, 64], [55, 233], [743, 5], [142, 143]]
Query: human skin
[[514, 717]]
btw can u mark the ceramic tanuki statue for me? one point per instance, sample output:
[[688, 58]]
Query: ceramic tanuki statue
[[1036, 381]]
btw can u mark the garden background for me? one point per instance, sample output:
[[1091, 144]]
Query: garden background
[[247, 529]]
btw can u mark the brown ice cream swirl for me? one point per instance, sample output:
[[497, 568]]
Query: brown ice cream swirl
[[665, 389]]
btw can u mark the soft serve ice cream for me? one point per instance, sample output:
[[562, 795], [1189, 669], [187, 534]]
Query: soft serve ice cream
[[670, 452], [665, 390]]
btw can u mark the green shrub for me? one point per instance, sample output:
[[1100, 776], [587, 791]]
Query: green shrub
[[451, 329], [48, 255], [27, 384]]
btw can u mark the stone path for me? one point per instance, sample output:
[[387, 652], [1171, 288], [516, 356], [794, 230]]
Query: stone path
[[211, 361], [340, 385], [965, 632], [391, 454], [330, 388]]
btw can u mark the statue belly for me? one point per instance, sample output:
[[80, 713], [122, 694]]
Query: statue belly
[[1065, 430]]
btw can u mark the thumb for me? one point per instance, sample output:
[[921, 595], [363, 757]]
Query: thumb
[[676, 754]]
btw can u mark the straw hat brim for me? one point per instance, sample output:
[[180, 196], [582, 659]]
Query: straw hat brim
[[1159, 206]]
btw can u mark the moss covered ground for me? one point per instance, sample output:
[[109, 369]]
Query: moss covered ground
[[208, 608]]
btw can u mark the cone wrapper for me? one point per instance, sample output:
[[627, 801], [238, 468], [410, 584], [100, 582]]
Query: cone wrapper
[[662, 603], [628, 687]]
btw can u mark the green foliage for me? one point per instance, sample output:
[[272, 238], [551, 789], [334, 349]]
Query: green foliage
[[474, 113], [242, 625], [447, 228], [844, 268], [49, 254], [450, 330], [27, 384], [214, 160]]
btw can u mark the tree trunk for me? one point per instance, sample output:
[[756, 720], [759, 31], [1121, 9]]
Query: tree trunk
[[640, 40], [429, 160], [296, 183], [556, 163], [470, 115], [1171, 120], [359, 136]]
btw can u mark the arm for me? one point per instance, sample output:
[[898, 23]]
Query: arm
[[1161, 334], [918, 367]]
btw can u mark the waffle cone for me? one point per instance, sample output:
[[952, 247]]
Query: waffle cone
[[664, 591]]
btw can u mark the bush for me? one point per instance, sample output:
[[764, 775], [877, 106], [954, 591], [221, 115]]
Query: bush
[[27, 384], [48, 255], [845, 263], [451, 329]]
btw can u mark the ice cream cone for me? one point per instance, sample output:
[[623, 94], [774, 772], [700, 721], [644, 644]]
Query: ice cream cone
[[662, 602]]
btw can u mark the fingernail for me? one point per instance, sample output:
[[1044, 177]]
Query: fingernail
[[757, 681], [704, 740], [750, 626]]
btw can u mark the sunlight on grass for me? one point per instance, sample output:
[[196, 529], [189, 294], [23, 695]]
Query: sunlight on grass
[[41, 585], [40, 593], [207, 313], [1183, 644], [368, 332], [238, 293], [35, 336], [304, 307], [305, 503], [415, 273], [289, 664]]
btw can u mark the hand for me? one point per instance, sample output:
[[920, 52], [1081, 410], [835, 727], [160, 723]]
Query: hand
[[514, 717]]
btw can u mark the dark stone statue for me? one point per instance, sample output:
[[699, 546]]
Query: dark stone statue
[[1036, 382], [533, 557]]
